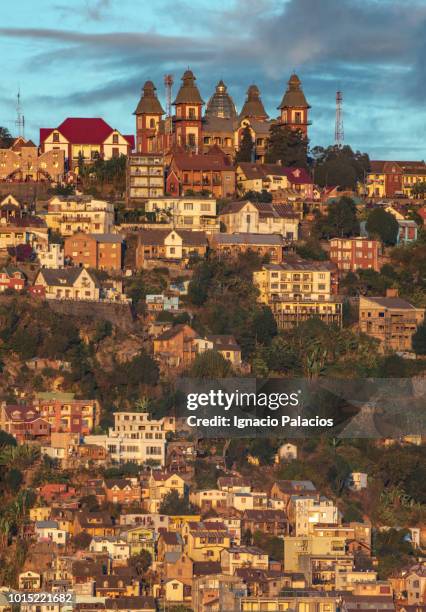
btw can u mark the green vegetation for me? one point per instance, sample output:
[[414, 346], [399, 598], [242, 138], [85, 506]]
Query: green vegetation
[[383, 225], [245, 151], [289, 147], [173, 504], [339, 166], [341, 220]]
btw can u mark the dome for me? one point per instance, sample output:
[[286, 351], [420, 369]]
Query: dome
[[149, 103], [188, 92], [294, 96], [253, 106], [221, 103]]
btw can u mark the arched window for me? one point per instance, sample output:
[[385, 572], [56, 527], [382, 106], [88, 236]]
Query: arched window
[[152, 123]]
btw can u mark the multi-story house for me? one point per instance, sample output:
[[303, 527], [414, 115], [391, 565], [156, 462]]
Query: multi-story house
[[212, 173], [352, 254], [169, 245], [269, 246], [49, 255], [391, 320], [388, 179], [135, 437], [123, 491], [23, 162], [190, 212], [174, 348], [204, 541], [66, 284], [304, 512], [115, 547], [415, 585], [162, 484], [297, 290], [145, 177], [238, 557], [71, 214], [85, 139], [140, 538], [224, 344], [27, 229], [273, 177], [244, 216], [99, 251], [11, 278], [24, 423], [208, 499], [301, 600], [66, 414], [319, 558]]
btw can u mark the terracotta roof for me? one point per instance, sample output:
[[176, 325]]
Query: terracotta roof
[[188, 161], [149, 103], [295, 176], [253, 106], [294, 96], [84, 130], [188, 92], [21, 413], [266, 209]]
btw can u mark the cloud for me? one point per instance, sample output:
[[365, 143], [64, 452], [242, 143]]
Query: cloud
[[372, 49]]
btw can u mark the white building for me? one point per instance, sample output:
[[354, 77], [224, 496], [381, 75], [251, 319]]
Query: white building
[[305, 512], [72, 214], [49, 255], [49, 530], [192, 213], [66, 284], [135, 437], [115, 547]]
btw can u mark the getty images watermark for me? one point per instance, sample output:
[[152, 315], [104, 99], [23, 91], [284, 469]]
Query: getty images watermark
[[355, 408]]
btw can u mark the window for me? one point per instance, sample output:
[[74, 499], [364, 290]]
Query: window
[[191, 113], [55, 137], [188, 206], [115, 139], [152, 123]]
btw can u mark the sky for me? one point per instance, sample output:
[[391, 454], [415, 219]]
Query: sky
[[90, 58]]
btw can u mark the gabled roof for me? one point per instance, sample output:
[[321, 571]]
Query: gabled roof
[[84, 130], [158, 236], [65, 277], [391, 302], [253, 106]]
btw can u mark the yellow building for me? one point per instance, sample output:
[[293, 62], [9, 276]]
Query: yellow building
[[247, 557], [297, 290], [140, 538], [178, 522], [40, 514], [204, 541], [160, 485], [72, 214]]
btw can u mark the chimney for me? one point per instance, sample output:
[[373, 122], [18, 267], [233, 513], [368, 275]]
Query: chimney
[[391, 293]]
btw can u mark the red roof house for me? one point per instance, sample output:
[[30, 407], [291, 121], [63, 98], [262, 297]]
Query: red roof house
[[90, 137]]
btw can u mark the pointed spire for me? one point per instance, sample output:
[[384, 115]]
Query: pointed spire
[[294, 96], [221, 103], [149, 104], [253, 106], [188, 92]]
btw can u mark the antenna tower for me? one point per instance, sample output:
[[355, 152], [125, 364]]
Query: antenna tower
[[168, 82], [339, 135], [20, 119]]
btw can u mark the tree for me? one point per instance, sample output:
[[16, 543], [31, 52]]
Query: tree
[[258, 196], [384, 225], [245, 151], [289, 147], [173, 504], [14, 479], [82, 540], [6, 439], [339, 166], [211, 364], [5, 138], [419, 340], [141, 562], [341, 220]]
